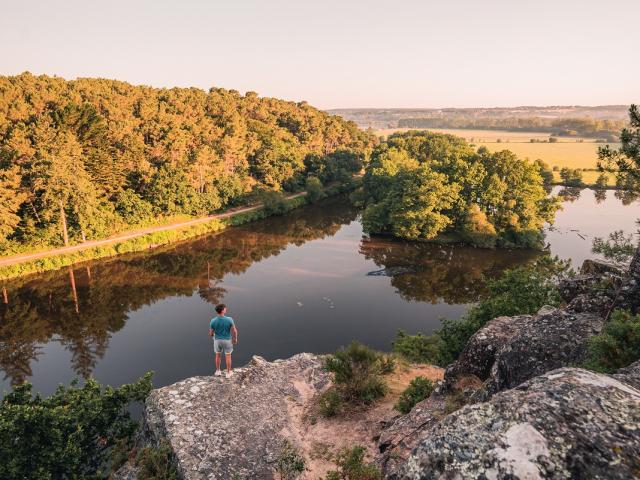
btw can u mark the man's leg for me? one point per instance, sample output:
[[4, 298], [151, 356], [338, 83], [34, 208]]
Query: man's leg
[[217, 362], [228, 361]]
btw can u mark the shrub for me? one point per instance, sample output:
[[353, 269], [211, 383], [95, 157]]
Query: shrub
[[352, 466], [156, 463], [387, 364], [617, 345], [618, 247], [356, 370], [417, 348], [419, 389], [274, 203], [290, 463], [68, 435], [314, 190], [330, 403]]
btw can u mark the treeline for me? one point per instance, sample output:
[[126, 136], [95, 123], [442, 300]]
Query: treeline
[[421, 185], [606, 130], [83, 159]]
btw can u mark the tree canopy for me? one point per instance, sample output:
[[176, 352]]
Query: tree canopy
[[100, 155], [419, 185]]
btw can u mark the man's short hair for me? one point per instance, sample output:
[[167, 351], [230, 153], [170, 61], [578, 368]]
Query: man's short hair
[[220, 308]]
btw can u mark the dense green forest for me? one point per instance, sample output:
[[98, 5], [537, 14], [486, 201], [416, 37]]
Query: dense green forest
[[96, 156], [604, 129], [421, 185]]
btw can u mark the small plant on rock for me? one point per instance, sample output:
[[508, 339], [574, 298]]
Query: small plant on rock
[[290, 464], [419, 389], [156, 463], [617, 345], [352, 466], [417, 348], [330, 403]]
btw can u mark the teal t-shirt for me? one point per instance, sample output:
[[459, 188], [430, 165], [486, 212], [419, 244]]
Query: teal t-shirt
[[221, 326]]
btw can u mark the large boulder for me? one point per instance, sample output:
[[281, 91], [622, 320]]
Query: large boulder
[[233, 428], [510, 350], [567, 423], [402, 434]]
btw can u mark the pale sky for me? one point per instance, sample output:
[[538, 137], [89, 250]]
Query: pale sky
[[341, 53]]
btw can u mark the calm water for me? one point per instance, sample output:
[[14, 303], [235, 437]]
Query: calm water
[[309, 281]]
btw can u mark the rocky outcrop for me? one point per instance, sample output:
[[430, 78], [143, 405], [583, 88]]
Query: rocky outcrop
[[567, 423], [401, 435], [511, 350], [233, 428]]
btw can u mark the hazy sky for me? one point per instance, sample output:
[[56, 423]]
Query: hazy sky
[[341, 53]]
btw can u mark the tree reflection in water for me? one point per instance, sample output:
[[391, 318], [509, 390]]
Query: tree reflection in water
[[82, 307]]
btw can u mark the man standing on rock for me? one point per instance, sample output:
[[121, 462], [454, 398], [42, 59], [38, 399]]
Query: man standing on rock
[[225, 336]]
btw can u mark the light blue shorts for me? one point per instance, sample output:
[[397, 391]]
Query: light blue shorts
[[220, 346]]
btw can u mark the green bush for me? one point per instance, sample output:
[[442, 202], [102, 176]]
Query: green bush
[[419, 389], [417, 348], [330, 403], [617, 345], [351, 466], [357, 371], [290, 463], [70, 434], [314, 190], [156, 463], [387, 364], [274, 203]]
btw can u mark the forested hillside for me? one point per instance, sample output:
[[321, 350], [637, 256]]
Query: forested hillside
[[102, 155]]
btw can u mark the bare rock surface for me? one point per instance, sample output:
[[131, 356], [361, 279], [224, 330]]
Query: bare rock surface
[[567, 423], [510, 350], [223, 428]]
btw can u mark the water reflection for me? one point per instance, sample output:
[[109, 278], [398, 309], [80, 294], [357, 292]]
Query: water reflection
[[82, 307], [433, 273], [309, 281]]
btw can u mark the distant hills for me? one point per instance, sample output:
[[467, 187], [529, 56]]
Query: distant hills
[[379, 118]]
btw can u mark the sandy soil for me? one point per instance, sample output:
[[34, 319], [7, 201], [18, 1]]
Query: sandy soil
[[321, 438]]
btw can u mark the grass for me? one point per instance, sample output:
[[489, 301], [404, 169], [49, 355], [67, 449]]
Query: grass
[[566, 152]]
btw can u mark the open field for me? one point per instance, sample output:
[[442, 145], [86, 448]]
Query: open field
[[566, 152]]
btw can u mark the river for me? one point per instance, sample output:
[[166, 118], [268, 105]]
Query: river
[[308, 281]]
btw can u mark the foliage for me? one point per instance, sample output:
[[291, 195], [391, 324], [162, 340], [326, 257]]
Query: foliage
[[419, 389], [314, 190], [602, 182], [545, 171], [417, 348], [330, 403], [156, 463], [88, 151], [387, 364], [356, 371], [571, 177], [618, 247], [419, 185], [351, 466], [274, 203], [67, 435], [624, 162], [290, 464], [617, 346]]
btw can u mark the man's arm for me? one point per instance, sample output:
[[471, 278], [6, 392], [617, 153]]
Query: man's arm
[[234, 334], [211, 332]]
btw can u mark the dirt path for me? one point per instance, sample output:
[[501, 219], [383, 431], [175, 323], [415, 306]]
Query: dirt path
[[321, 438], [16, 259]]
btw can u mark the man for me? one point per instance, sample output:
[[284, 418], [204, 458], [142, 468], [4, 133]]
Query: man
[[225, 336]]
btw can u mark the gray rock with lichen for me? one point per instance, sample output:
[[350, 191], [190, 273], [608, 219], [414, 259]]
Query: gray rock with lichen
[[510, 350], [224, 428], [568, 423]]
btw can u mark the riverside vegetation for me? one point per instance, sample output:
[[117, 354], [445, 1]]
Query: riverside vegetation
[[88, 158]]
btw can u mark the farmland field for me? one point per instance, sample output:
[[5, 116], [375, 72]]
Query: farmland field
[[566, 152]]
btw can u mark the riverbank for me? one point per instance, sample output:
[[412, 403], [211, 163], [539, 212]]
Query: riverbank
[[148, 238]]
